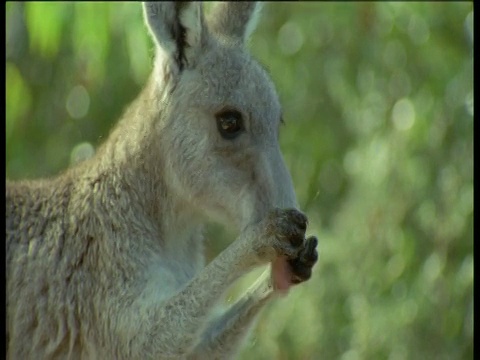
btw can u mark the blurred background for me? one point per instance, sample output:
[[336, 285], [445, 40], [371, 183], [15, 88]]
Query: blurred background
[[378, 105]]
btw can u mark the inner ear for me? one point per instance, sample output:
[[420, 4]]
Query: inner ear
[[191, 31], [181, 42], [177, 29]]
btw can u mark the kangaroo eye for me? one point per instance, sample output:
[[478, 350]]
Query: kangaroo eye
[[230, 124]]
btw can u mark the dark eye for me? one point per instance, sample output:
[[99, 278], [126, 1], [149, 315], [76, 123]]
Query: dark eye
[[230, 124]]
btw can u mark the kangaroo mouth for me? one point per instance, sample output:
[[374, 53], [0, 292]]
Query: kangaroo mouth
[[281, 274]]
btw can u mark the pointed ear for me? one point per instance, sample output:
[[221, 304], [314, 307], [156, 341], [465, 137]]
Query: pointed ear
[[234, 20], [177, 29]]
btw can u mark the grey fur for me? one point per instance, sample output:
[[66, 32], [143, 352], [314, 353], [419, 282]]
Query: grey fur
[[235, 21], [106, 260]]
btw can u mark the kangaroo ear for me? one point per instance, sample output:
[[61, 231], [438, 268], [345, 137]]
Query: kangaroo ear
[[177, 29], [234, 20]]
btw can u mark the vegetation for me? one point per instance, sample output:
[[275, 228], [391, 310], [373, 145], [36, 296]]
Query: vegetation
[[378, 105]]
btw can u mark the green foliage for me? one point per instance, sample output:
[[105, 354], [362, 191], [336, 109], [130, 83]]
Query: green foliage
[[378, 104]]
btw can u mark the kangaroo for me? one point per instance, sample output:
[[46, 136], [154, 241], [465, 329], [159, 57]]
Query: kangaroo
[[105, 261]]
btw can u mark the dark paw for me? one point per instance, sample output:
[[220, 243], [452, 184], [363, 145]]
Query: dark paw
[[301, 266], [289, 228]]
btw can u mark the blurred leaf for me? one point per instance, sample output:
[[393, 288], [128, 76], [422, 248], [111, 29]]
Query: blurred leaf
[[45, 22], [18, 98], [91, 35]]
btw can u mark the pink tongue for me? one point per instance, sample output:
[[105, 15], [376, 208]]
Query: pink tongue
[[281, 274]]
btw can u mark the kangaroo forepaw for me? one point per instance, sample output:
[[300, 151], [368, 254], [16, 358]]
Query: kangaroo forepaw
[[288, 227], [295, 255], [301, 266]]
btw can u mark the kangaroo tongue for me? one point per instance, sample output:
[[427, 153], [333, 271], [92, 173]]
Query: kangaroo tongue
[[281, 274]]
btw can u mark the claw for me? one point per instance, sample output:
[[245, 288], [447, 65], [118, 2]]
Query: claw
[[309, 255], [301, 266]]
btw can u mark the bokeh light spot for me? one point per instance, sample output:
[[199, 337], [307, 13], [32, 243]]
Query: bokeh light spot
[[290, 38], [418, 30], [81, 152], [403, 114], [78, 102]]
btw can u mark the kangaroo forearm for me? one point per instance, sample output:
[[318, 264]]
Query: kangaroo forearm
[[225, 333], [206, 288], [185, 314]]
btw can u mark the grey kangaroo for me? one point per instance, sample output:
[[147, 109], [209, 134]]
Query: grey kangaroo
[[105, 261]]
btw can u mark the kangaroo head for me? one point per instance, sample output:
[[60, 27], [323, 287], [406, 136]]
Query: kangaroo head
[[219, 112]]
